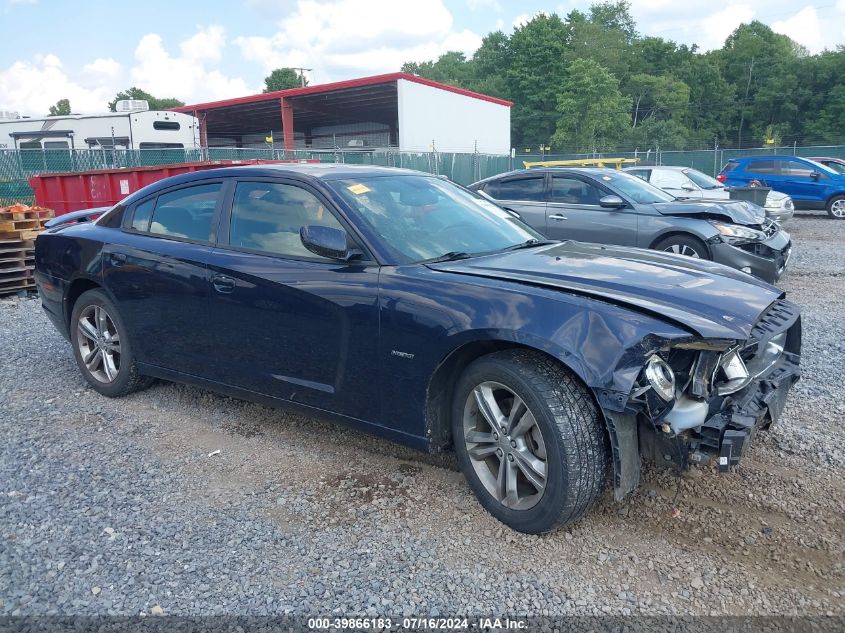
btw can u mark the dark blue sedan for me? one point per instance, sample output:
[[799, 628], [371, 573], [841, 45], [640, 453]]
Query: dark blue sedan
[[403, 304]]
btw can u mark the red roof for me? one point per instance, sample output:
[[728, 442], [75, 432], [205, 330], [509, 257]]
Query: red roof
[[338, 85]]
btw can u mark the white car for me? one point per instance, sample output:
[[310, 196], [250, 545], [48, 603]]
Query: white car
[[685, 182]]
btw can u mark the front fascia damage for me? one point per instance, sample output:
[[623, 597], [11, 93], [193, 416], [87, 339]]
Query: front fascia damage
[[725, 391]]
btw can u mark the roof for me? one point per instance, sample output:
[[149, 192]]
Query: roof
[[534, 171], [310, 171], [338, 85]]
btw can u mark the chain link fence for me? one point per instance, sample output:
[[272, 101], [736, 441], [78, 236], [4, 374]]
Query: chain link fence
[[18, 166]]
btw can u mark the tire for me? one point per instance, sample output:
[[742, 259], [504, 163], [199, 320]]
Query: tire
[[683, 245], [836, 207], [561, 429], [110, 369]]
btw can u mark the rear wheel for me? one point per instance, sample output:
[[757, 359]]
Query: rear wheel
[[836, 207], [102, 348], [683, 245], [529, 440]]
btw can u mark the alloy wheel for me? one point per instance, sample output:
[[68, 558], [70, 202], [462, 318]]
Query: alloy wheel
[[505, 446], [99, 343], [838, 208], [682, 249]]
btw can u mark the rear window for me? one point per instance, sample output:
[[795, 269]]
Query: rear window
[[762, 167]]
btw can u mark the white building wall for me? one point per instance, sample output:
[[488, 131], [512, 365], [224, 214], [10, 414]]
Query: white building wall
[[453, 121]]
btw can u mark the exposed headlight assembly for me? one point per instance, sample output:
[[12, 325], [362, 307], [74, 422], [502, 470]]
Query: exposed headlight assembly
[[733, 233], [661, 377]]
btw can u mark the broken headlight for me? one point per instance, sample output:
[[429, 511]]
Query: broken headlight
[[661, 377], [735, 234]]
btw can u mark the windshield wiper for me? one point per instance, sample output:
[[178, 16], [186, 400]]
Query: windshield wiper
[[447, 257], [530, 244]]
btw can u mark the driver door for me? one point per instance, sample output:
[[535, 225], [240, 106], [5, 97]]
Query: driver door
[[288, 323], [574, 213]]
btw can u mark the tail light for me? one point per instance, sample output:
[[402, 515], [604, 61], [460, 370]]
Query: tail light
[[721, 178]]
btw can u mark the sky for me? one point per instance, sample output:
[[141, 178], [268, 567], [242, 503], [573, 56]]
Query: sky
[[88, 51]]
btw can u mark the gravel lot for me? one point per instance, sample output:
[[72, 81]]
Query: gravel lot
[[120, 507]]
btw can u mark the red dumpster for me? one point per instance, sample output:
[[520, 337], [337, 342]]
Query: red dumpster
[[73, 191]]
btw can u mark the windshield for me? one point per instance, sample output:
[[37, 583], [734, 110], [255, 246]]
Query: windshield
[[703, 180], [420, 217], [635, 188], [838, 168]]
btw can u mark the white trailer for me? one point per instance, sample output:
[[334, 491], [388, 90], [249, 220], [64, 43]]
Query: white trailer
[[137, 128]]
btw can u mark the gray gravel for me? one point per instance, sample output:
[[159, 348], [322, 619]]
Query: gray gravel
[[116, 507]]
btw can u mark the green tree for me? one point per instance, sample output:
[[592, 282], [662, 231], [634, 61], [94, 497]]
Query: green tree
[[450, 68], [539, 57], [593, 115], [154, 102], [284, 78], [62, 108]]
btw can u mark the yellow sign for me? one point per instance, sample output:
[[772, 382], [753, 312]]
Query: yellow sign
[[358, 189], [268, 139], [770, 141]]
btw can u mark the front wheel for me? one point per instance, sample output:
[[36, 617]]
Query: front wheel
[[836, 207], [683, 245], [102, 348], [529, 440]]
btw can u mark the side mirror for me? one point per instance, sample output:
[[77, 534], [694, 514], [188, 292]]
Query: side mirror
[[815, 175], [687, 187], [326, 241], [612, 202]]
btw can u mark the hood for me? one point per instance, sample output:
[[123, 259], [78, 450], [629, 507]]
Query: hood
[[733, 211], [705, 298]]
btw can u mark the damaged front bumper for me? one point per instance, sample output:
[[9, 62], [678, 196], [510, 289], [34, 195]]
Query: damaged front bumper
[[721, 399]]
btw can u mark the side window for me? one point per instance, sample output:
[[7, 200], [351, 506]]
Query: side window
[[267, 217], [669, 179], [574, 191], [795, 168], [642, 174], [530, 188], [762, 167], [186, 213], [141, 216], [492, 189]]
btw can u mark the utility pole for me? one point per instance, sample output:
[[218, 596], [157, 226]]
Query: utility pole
[[744, 101], [302, 74]]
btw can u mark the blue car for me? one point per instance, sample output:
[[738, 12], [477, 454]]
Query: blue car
[[407, 306], [810, 184]]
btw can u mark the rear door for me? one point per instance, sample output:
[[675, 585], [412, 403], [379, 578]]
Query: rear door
[[157, 271], [286, 322], [573, 212], [524, 194]]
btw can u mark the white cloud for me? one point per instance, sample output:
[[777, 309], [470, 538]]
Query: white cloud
[[343, 38], [187, 76], [521, 20], [103, 67], [804, 28], [32, 86]]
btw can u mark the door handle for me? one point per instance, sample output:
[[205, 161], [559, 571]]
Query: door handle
[[558, 217], [117, 259], [223, 284]]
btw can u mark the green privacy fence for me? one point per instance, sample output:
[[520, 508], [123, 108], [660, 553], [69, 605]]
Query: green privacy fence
[[710, 161], [17, 166]]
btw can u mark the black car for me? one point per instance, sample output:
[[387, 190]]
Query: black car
[[399, 303], [608, 206]]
